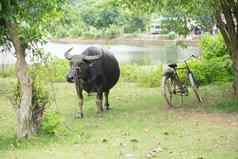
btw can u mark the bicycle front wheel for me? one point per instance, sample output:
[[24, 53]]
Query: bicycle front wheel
[[194, 87]]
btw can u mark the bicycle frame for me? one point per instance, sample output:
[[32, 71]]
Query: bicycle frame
[[173, 85], [182, 88]]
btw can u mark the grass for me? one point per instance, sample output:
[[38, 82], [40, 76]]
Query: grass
[[136, 125]]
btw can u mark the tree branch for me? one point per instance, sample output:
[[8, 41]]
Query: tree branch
[[222, 26], [234, 5], [228, 14]]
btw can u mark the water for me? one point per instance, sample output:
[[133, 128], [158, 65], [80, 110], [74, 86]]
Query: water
[[126, 54]]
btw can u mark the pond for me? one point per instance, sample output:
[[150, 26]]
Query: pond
[[126, 54]]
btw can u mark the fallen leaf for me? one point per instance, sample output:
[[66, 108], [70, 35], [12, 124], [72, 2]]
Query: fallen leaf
[[134, 140], [146, 130], [104, 140]]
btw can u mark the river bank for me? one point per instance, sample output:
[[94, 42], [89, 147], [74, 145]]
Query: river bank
[[143, 49], [143, 40]]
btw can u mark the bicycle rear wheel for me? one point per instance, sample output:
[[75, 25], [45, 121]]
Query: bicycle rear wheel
[[168, 87]]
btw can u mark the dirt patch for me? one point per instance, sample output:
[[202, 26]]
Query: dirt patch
[[226, 119]]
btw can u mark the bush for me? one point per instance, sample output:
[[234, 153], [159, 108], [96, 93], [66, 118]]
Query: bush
[[147, 76], [206, 72], [113, 31], [51, 123], [213, 47], [7, 71], [59, 69], [40, 86], [40, 94], [135, 24], [129, 72], [172, 35], [216, 65], [151, 77], [92, 33]]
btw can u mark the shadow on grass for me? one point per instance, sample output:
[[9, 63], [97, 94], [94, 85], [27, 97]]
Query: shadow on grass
[[228, 106], [7, 143], [12, 143], [216, 99]]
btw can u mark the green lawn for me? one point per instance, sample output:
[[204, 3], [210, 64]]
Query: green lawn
[[136, 125]]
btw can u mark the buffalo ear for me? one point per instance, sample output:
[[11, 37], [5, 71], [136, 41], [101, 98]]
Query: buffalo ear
[[67, 55], [86, 61]]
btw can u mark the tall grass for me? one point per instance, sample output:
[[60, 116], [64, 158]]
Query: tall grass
[[7, 71]]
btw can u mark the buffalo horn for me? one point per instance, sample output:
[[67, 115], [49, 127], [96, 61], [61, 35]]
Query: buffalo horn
[[67, 55]]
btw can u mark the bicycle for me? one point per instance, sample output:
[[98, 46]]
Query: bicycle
[[172, 86]]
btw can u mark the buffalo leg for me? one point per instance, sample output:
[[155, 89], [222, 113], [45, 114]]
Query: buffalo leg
[[80, 95], [106, 93], [99, 102]]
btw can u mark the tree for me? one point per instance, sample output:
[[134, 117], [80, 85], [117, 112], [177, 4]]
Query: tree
[[225, 13], [22, 26]]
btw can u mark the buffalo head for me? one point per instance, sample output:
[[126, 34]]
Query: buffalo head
[[79, 65]]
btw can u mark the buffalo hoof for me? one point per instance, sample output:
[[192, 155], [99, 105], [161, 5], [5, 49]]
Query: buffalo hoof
[[79, 115], [168, 108], [108, 108]]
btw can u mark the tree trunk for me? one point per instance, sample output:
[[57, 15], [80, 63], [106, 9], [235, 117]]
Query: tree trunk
[[227, 17], [23, 112], [235, 66]]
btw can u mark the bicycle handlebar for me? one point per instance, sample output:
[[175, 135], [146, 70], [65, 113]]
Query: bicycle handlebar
[[192, 56], [185, 61]]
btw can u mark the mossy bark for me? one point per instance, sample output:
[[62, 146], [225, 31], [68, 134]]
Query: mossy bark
[[24, 110]]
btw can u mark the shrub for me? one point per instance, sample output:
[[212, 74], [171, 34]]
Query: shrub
[[113, 31], [51, 123], [129, 72], [92, 33], [213, 47], [172, 35], [216, 65], [40, 94], [135, 24], [209, 71], [150, 76], [7, 71], [59, 69], [147, 76]]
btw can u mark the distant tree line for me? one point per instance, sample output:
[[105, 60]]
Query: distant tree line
[[96, 19]]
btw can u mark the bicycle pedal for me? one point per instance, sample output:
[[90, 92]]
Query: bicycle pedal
[[184, 94]]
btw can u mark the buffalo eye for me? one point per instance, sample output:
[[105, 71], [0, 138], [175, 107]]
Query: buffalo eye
[[91, 65]]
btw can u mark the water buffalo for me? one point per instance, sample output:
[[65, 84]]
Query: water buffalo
[[95, 70]]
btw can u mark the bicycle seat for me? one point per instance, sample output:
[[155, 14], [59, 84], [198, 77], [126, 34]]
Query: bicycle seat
[[174, 65]]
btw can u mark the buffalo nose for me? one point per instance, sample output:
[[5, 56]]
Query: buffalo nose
[[70, 79]]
